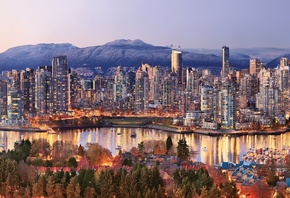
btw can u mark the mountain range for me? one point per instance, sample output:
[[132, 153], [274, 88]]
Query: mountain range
[[130, 54]]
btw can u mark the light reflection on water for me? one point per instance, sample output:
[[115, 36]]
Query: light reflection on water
[[210, 150]]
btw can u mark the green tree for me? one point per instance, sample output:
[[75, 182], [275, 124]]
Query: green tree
[[183, 150], [141, 148], [106, 183], [169, 143], [72, 162]]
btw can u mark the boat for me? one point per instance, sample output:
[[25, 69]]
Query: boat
[[119, 133], [118, 147], [133, 135], [51, 131]]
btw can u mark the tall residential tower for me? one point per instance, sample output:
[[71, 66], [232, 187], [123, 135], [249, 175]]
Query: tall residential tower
[[60, 84]]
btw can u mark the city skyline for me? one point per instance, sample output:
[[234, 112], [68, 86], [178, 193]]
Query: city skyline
[[197, 24]]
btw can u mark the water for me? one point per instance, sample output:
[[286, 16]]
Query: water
[[209, 150]]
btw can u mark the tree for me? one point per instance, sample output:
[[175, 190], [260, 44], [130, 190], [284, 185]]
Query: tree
[[97, 155], [169, 143], [182, 150], [59, 191], [81, 151], [72, 162], [50, 186], [40, 147], [141, 148], [38, 188], [89, 192], [229, 190], [73, 189], [61, 151]]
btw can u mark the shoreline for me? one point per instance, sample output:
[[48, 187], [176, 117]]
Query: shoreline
[[176, 130], [183, 130], [19, 129]]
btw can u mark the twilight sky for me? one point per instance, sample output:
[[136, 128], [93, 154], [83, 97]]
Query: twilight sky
[[188, 23]]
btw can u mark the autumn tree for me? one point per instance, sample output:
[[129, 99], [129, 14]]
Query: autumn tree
[[229, 190], [73, 189], [61, 151], [50, 186], [40, 147], [38, 188], [97, 155]]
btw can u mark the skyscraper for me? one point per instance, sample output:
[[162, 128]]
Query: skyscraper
[[141, 91], [27, 87], [225, 61], [60, 88], [43, 99], [227, 105], [119, 86], [4, 81], [177, 64], [255, 66]]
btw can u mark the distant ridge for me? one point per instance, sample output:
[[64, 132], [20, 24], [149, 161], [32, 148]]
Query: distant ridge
[[127, 53]]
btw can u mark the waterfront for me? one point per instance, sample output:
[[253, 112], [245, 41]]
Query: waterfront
[[211, 150]]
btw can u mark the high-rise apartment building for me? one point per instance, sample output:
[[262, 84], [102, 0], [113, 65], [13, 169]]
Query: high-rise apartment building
[[141, 91], [43, 90], [170, 92], [15, 105], [255, 66], [227, 105], [4, 81], [284, 62], [120, 86], [225, 61], [155, 93], [60, 82], [27, 87]]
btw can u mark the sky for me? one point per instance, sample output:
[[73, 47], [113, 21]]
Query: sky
[[189, 23]]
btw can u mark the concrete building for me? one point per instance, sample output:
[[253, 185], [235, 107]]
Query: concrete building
[[60, 85]]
